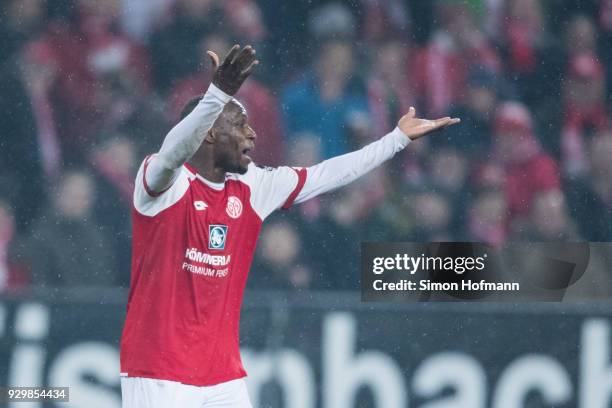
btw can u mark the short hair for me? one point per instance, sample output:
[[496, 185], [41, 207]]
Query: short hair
[[193, 102]]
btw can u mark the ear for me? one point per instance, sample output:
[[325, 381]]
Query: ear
[[211, 137]]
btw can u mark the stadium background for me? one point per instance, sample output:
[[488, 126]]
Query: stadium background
[[87, 88]]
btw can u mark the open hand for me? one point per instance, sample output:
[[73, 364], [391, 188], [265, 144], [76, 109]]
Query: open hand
[[236, 67], [414, 127]]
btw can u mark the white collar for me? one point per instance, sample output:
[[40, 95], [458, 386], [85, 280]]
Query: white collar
[[215, 186]]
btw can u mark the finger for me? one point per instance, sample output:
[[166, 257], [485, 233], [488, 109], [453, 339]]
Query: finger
[[231, 55], [244, 64], [450, 121], [446, 122], [245, 58], [442, 121], [214, 58], [247, 71], [411, 112]]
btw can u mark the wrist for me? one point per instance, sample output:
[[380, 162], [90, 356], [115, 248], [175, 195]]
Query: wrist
[[400, 137], [218, 93]]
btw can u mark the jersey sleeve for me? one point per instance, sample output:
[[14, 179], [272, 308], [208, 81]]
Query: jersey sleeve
[[273, 188], [341, 170], [183, 140], [149, 202]]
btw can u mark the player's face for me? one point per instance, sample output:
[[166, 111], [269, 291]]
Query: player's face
[[236, 140]]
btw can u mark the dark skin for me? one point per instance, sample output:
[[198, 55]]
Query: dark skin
[[228, 142], [226, 146]]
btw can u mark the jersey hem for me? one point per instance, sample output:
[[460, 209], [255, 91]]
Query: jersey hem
[[182, 380]]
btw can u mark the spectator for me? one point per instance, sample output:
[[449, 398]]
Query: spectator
[[20, 21], [445, 61], [382, 19], [14, 275], [113, 164], [138, 17], [488, 175], [76, 88], [528, 170], [590, 197], [549, 220], [332, 20], [392, 219], [448, 170], [605, 24], [532, 57], [584, 37], [28, 147], [343, 218], [487, 218], [323, 100], [280, 266], [305, 151], [581, 36], [66, 247], [39, 72], [432, 213], [391, 85], [175, 47], [477, 112], [412, 164], [92, 55], [246, 20], [585, 111]]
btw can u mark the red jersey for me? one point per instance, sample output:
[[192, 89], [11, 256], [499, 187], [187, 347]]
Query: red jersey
[[192, 249], [193, 245]]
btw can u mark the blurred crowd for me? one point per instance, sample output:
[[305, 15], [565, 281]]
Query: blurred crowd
[[88, 87]]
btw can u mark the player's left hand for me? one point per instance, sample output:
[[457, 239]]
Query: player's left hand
[[414, 127], [235, 68]]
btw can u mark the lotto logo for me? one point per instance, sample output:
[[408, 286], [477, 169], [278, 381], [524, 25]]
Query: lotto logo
[[217, 235], [200, 205]]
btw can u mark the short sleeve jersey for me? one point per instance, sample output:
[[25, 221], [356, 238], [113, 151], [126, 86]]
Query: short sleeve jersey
[[192, 249]]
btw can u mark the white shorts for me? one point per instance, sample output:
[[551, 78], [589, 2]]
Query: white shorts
[[139, 392]]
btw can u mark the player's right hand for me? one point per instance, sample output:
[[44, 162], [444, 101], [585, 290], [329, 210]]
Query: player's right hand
[[236, 67]]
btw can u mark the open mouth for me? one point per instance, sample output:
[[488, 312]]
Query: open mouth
[[245, 152]]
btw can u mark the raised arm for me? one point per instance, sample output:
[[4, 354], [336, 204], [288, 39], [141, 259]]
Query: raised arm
[[341, 170], [186, 137]]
